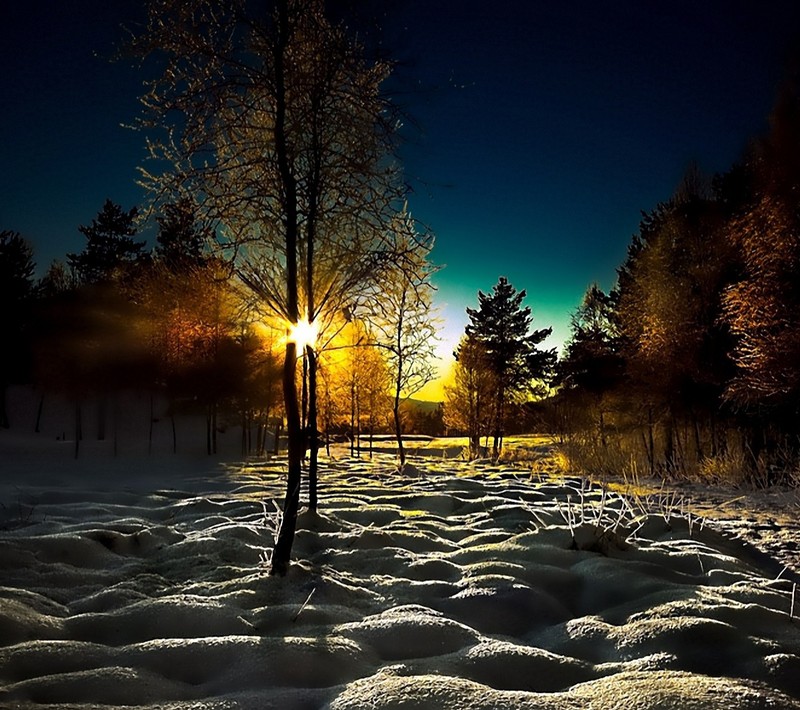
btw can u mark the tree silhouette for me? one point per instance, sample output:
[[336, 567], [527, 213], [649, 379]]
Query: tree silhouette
[[468, 397], [501, 324], [276, 123], [593, 364], [402, 318], [110, 247], [180, 242]]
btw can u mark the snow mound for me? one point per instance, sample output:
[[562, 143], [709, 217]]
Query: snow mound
[[468, 586]]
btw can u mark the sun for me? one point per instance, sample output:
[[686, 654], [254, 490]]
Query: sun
[[303, 334]]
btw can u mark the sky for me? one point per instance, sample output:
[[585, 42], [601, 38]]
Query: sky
[[540, 130]]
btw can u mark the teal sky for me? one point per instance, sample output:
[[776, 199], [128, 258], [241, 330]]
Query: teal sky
[[541, 129]]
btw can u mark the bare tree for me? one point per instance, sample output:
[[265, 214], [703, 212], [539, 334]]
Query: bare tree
[[467, 405], [275, 122], [402, 318]]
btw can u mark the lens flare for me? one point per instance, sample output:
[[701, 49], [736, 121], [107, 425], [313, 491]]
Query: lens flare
[[303, 334]]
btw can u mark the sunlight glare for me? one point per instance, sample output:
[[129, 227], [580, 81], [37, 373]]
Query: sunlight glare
[[303, 334]]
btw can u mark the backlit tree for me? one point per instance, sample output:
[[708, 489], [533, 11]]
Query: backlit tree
[[274, 120], [501, 324]]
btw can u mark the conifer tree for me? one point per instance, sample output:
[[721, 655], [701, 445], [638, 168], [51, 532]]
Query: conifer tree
[[180, 240], [501, 323], [109, 245]]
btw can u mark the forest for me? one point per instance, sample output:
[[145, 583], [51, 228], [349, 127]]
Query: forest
[[288, 288], [688, 366]]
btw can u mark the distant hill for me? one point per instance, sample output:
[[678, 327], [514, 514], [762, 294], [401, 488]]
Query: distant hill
[[422, 405]]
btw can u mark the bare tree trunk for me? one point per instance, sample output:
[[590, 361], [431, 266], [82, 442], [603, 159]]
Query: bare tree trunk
[[698, 443], [352, 414], [281, 554], [398, 428], [313, 438], [282, 551]]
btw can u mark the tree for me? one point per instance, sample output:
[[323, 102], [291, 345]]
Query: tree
[[468, 397], [16, 294], [763, 306], [110, 247], [402, 320], [672, 336], [275, 122], [501, 324], [592, 363], [180, 242]]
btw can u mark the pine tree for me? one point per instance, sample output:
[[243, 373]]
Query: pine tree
[[109, 245], [502, 324], [180, 240]]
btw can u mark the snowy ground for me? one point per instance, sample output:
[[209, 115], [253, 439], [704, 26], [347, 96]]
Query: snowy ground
[[139, 581]]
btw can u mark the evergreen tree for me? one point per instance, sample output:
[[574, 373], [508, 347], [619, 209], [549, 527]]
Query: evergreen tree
[[502, 324], [180, 240], [109, 246], [593, 364]]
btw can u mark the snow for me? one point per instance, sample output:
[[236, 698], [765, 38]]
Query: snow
[[140, 581]]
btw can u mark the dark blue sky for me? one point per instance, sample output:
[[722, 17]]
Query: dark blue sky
[[544, 127]]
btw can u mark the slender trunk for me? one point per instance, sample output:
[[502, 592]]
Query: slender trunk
[[327, 438], [398, 382], [313, 438], [278, 432], [669, 445], [304, 394], [352, 416], [358, 429], [602, 425], [281, 554], [398, 428], [474, 446], [282, 551], [698, 443]]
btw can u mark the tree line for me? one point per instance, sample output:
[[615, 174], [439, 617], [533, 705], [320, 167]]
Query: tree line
[[689, 364], [273, 121], [174, 322]]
